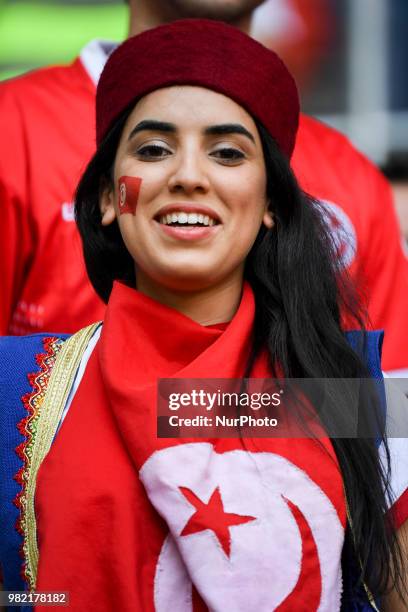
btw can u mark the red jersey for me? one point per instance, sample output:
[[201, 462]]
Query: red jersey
[[47, 126]]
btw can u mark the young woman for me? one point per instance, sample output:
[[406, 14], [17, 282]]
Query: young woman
[[213, 265]]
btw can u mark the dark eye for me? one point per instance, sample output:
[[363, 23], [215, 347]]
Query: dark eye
[[228, 155], [153, 152]]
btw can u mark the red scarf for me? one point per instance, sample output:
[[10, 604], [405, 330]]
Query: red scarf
[[130, 522]]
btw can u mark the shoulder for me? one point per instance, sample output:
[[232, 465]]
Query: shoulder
[[358, 209], [35, 80], [40, 93], [21, 354], [31, 104], [25, 366], [81, 75], [314, 131], [25, 363], [33, 112], [330, 148]]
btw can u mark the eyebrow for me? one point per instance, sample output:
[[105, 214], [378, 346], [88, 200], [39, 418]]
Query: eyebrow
[[228, 128], [153, 126], [213, 130]]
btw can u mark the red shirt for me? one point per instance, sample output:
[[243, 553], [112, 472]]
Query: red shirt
[[47, 127]]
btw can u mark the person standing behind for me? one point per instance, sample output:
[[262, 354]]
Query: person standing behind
[[47, 126]]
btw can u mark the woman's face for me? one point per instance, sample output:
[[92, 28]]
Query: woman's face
[[202, 190]]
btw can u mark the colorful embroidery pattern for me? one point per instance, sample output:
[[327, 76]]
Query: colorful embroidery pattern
[[28, 428], [45, 405]]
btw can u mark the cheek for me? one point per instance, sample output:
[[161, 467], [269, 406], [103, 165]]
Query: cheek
[[247, 205], [244, 189], [128, 190]]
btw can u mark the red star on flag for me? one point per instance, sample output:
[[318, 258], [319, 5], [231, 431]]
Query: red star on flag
[[212, 516]]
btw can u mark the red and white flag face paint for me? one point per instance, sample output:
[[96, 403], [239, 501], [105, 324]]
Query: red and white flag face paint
[[250, 529], [128, 188]]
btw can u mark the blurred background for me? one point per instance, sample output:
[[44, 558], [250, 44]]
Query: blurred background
[[349, 58]]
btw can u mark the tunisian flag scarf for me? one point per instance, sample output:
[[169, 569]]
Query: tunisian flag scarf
[[130, 522]]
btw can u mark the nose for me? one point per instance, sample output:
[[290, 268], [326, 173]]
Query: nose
[[189, 174]]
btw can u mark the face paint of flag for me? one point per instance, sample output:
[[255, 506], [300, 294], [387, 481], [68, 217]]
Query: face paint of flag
[[129, 188]]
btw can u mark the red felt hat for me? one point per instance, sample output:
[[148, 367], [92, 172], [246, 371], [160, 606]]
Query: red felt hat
[[209, 54]]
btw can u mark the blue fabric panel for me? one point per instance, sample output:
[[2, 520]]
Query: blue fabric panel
[[17, 358], [369, 347]]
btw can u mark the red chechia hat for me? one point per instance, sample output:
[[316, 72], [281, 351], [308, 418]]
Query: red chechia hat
[[209, 54]]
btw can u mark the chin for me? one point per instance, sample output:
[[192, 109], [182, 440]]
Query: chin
[[188, 280]]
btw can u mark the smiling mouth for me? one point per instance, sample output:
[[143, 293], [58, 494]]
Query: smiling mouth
[[182, 219]]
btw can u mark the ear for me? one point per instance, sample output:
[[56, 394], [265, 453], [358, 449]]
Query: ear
[[106, 204], [268, 219]]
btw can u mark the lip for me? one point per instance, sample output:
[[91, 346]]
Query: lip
[[188, 233], [187, 208]]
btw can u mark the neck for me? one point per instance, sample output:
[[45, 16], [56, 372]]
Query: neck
[[147, 14], [216, 304]]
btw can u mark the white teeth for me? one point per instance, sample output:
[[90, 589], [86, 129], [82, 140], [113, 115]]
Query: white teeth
[[187, 218]]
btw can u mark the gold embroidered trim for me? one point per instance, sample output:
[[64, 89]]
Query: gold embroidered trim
[[28, 428], [59, 385]]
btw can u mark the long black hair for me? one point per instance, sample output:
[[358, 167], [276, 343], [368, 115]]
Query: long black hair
[[301, 295]]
